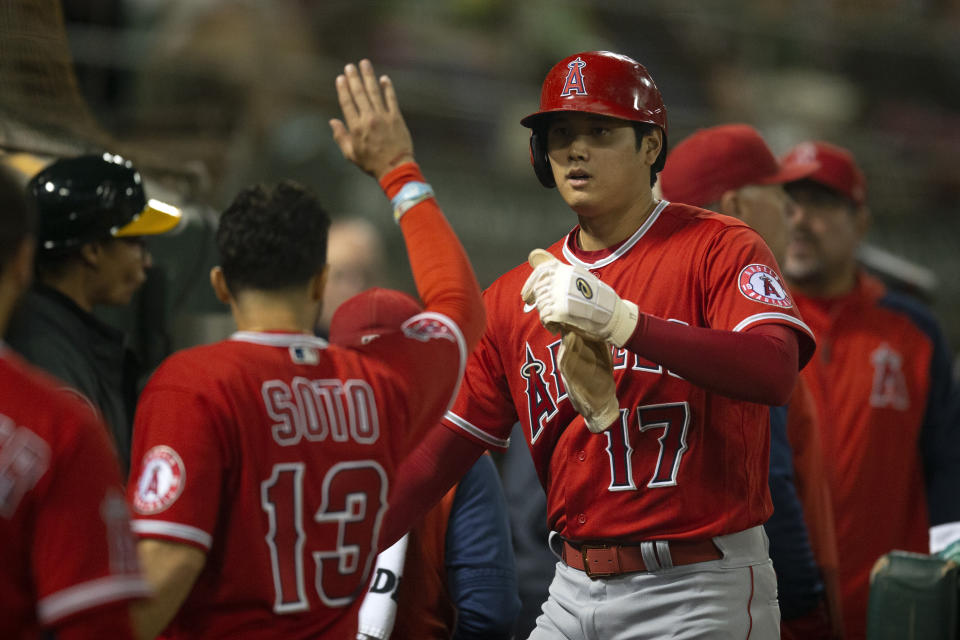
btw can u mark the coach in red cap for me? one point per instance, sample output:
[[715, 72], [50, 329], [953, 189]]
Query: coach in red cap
[[731, 170], [882, 375]]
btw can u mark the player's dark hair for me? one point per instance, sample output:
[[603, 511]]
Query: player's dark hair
[[18, 216], [272, 238], [644, 129]]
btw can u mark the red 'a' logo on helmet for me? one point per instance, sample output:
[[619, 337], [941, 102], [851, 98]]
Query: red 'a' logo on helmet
[[573, 85]]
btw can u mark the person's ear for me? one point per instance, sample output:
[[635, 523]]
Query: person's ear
[[651, 145], [91, 253], [730, 204], [219, 283], [319, 283]]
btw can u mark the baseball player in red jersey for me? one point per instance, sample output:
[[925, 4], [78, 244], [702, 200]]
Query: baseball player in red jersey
[[657, 518], [883, 376], [68, 558], [264, 462]]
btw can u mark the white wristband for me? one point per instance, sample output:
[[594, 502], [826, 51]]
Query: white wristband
[[410, 195], [626, 315]]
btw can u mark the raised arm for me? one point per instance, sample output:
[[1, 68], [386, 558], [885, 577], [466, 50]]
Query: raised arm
[[374, 136]]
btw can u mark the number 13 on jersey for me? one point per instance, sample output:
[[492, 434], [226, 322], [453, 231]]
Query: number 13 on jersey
[[341, 538]]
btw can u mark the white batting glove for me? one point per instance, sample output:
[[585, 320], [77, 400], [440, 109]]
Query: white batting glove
[[586, 367], [572, 298]]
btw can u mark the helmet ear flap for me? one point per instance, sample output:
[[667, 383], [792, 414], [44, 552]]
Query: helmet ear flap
[[539, 160]]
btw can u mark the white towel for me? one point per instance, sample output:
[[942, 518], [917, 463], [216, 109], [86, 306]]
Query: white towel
[[379, 609]]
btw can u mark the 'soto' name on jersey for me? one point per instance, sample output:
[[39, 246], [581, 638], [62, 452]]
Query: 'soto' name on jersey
[[316, 410]]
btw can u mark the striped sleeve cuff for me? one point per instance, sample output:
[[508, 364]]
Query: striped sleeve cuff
[[784, 318], [88, 595], [172, 530], [475, 432]]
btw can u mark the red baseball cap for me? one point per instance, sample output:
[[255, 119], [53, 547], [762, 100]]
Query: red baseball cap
[[374, 311], [838, 169], [718, 159]]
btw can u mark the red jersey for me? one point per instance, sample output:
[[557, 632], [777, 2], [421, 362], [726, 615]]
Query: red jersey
[[273, 453], [682, 462], [890, 445], [65, 541], [813, 489]]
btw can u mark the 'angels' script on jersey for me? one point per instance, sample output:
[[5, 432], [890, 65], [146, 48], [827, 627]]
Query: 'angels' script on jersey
[[321, 409], [540, 379]]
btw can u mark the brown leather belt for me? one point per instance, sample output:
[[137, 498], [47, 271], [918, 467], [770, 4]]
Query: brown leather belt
[[602, 560]]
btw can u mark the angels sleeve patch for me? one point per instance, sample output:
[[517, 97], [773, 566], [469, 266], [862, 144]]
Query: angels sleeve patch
[[161, 480], [423, 328], [761, 283]]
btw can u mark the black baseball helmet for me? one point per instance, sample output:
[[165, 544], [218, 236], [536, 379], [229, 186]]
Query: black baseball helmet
[[94, 197]]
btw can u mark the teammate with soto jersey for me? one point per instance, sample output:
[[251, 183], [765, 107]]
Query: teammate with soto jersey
[[263, 463], [656, 518]]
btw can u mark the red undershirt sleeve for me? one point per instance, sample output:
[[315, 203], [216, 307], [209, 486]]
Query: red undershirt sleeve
[[424, 477], [442, 272], [757, 365]]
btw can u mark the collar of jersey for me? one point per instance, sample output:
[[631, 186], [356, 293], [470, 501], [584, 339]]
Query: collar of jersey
[[572, 258], [278, 338]]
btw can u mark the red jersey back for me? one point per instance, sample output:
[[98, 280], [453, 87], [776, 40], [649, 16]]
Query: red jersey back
[[646, 476], [273, 452], [65, 541]]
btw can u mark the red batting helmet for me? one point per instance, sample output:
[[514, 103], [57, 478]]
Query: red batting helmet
[[598, 82]]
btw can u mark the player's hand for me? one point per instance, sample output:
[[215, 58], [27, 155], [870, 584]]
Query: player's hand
[[372, 133], [572, 298], [586, 367], [538, 258]]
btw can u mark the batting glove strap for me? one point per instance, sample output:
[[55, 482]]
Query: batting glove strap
[[626, 314], [573, 298]]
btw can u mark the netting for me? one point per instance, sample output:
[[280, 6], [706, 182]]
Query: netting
[[41, 108]]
